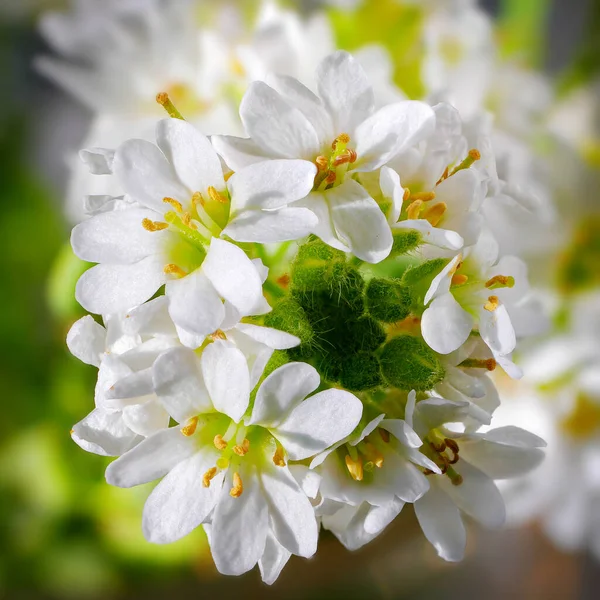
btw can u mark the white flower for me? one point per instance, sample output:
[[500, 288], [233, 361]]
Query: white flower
[[475, 289], [230, 473], [338, 131], [168, 236], [469, 465], [126, 406]]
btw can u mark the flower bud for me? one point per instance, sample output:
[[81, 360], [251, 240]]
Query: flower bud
[[287, 315], [388, 300], [405, 240], [361, 371]]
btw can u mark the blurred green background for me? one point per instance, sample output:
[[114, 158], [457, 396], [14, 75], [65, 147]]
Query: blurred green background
[[64, 533]]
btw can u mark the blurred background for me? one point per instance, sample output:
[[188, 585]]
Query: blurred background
[[64, 533]]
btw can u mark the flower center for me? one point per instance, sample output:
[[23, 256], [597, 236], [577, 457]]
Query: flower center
[[333, 165], [443, 452], [362, 459]]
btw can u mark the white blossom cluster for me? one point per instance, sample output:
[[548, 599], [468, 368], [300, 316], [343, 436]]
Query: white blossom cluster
[[299, 321]]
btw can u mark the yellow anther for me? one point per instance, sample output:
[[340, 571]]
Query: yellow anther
[[322, 163], [174, 203], [186, 219], [242, 449], [198, 199], [406, 195], [425, 196], [372, 454], [163, 99], [208, 476], [445, 175], [238, 487], [331, 177], [189, 429], [355, 467], [219, 442], [278, 457], [217, 335], [492, 304], [347, 156], [216, 196], [500, 281], [413, 210], [343, 138], [172, 269], [459, 279], [385, 435], [456, 267], [473, 155], [228, 175], [434, 213], [479, 363], [149, 225]]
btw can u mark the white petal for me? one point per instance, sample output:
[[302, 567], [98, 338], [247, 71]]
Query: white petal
[[318, 422], [441, 238], [134, 385], [146, 419], [324, 229], [389, 182], [434, 412], [226, 378], [233, 275], [239, 527], [410, 483], [345, 90], [274, 558], [107, 289], [307, 479], [271, 184], [402, 432], [273, 338], [282, 391], [180, 502], [104, 432], [359, 222], [267, 227], [291, 513], [442, 525], [146, 175], [99, 161], [441, 282], [275, 126], [179, 386], [86, 340], [237, 152], [194, 304], [445, 325], [391, 130], [477, 495], [150, 459], [191, 154], [496, 330]]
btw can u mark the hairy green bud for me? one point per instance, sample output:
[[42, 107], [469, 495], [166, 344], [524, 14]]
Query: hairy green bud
[[405, 240], [408, 363], [388, 300], [313, 267], [361, 371], [423, 273], [287, 315], [362, 334]]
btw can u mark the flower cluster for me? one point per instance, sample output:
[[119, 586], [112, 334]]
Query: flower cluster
[[299, 324]]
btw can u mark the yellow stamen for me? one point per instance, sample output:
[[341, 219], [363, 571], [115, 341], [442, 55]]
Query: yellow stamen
[[189, 429], [473, 155], [238, 488], [355, 467], [445, 175], [492, 304], [197, 199], [479, 363], [174, 203], [385, 435], [208, 476], [372, 454], [163, 99], [186, 219], [456, 267], [331, 177], [348, 156], [322, 163], [278, 457], [149, 225], [242, 449], [228, 175], [343, 138], [406, 195], [425, 196], [435, 213], [500, 281], [219, 442], [216, 196], [413, 210], [459, 279], [217, 335], [172, 269]]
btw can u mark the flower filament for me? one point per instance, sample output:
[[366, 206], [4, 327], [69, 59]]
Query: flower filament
[[331, 169]]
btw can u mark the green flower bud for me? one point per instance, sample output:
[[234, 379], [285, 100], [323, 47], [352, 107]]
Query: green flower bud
[[405, 240], [423, 273], [312, 269], [362, 334], [329, 366], [408, 363], [287, 315], [388, 300], [361, 371]]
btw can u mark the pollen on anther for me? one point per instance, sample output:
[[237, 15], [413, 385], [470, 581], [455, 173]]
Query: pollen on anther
[[208, 476], [149, 225], [174, 203], [219, 442], [331, 177], [190, 428], [413, 210], [459, 279], [242, 449], [425, 196], [435, 213], [216, 196], [406, 195], [278, 458], [474, 154], [322, 163], [355, 467], [172, 269], [492, 304], [238, 487]]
